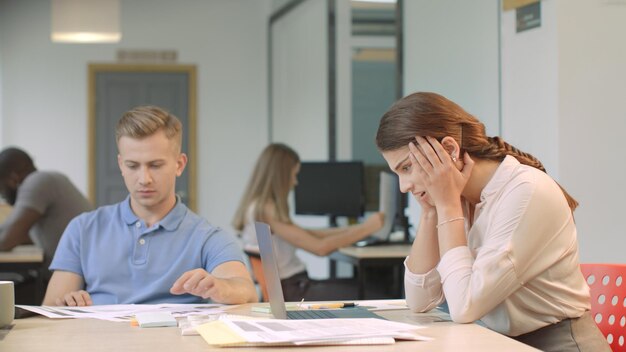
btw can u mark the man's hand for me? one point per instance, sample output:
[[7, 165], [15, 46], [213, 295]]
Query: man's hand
[[66, 289], [197, 282], [75, 299], [228, 283]]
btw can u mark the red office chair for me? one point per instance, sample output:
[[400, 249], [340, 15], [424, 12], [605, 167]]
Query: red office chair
[[257, 272], [607, 283]]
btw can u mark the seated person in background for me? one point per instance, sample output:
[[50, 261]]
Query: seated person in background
[[496, 238], [150, 248], [43, 203], [265, 199]]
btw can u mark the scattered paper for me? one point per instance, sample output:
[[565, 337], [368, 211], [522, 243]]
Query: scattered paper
[[383, 304], [228, 331], [124, 312], [188, 324]]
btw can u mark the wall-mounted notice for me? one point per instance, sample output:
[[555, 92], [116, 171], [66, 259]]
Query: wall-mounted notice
[[528, 17]]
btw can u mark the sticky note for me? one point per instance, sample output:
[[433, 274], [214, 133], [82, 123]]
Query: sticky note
[[155, 319], [218, 333]]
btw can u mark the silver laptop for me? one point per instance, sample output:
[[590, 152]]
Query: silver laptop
[[275, 290]]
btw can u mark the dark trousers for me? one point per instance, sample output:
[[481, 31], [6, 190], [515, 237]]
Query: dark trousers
[[578, 334]]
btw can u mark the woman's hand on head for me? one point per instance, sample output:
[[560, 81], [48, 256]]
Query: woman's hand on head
[[424, 200], [443, 181]]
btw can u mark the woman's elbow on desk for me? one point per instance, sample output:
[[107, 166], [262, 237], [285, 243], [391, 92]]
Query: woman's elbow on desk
[[422, 304], [464, 315]]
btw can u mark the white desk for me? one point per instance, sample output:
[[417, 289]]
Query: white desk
[[47, 335], [391, 251], [22, 254], [26, 257]]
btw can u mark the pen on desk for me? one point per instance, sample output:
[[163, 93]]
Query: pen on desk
[[332, 305]]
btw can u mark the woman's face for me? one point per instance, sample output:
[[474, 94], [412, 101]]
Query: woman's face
[[399, 161], [294, 175]]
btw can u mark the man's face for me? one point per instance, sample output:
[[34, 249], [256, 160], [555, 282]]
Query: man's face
[[149, 167], [8, 189]]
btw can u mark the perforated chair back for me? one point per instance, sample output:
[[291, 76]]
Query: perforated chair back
[[607, 284], [257, 272]]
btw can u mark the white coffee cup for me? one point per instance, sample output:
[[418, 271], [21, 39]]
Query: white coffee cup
[[7, 303]]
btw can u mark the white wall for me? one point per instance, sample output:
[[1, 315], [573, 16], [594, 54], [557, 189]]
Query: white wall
[[562, 88], [530, 87], [300, 80], [44, 86], [451, 48], [592, 121]]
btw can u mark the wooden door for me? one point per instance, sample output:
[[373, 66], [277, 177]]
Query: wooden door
[[115, 89]]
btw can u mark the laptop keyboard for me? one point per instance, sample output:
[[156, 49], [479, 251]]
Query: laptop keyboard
[[310, 314]]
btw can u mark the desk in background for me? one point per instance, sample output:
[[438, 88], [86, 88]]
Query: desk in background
[[23, 258], [388, 256], [68, 335]]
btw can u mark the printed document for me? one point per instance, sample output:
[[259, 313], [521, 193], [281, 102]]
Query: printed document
[[125, 312], [313, 331]]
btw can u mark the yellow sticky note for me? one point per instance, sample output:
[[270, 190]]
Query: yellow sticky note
[[218, 333]]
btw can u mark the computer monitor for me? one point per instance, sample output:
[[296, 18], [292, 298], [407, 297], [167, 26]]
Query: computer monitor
[[388, 204], [373, 193], [330, 188]]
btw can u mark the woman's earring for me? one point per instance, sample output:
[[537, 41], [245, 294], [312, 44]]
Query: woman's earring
[[453, 158]]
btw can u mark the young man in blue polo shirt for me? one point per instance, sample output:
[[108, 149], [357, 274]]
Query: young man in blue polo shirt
[[150, 248]]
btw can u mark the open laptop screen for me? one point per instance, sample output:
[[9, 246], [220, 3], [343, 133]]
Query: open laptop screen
[[275, 290], [270, 270]]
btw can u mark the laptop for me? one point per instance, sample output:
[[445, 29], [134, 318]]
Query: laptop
[[275, 290]]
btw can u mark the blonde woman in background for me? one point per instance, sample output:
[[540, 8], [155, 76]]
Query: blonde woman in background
[[266, 199]]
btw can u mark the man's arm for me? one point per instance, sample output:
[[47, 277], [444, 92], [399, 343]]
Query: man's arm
[[228, 283], [16, 228], [66, 289]]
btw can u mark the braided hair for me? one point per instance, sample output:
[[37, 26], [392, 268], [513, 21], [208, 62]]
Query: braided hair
[[430, 114]]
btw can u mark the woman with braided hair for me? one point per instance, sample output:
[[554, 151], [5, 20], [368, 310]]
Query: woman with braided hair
[[496, 238]]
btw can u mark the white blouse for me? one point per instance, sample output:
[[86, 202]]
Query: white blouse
[[286, 259], [520, 270]]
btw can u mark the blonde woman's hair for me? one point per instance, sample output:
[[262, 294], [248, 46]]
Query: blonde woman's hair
[[144, 121], [430, 114], [270, 183]]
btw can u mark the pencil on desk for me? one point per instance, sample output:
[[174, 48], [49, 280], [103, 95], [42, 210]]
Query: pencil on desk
[[332, 305]]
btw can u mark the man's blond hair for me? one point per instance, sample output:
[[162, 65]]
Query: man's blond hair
[[144, 121]]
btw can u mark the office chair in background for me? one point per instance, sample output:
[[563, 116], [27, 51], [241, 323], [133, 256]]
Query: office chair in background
[[257, 272]]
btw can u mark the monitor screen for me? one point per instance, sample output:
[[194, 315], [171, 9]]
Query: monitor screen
[[330, 188]]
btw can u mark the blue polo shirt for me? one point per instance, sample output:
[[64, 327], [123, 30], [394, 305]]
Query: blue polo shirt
[[124, 262]]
